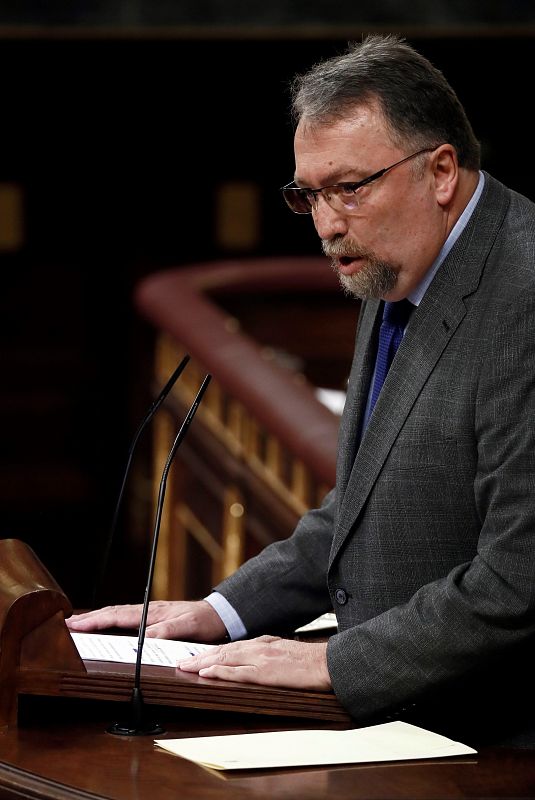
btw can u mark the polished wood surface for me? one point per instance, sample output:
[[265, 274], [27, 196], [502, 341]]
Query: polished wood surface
[[166, 686], [62, 750]]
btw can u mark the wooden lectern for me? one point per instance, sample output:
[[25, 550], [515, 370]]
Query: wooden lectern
[[34, 640], [38, 657]]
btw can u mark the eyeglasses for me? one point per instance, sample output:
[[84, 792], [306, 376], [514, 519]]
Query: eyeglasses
[[340, 196]]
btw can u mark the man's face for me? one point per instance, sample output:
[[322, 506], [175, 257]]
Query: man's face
[[389, 241]]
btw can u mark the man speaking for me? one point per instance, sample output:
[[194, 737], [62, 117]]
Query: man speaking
[[426, 547]]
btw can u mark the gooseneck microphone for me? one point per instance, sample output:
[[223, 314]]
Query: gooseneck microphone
[[138, 725], [155, 405]]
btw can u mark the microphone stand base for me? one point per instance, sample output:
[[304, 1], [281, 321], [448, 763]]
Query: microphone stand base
[[130, 729], [137, 725]]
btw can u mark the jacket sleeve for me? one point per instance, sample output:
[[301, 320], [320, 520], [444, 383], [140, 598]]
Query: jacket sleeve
[[285, 585]]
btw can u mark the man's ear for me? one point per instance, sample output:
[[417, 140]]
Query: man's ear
[[445, 173]]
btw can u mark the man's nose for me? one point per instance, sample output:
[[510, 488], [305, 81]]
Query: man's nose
[[327, 221]]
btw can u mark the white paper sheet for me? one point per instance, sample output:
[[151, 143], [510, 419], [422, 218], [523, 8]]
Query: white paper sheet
[[332, 398], [123, 649], [392, 741], [323, 623]]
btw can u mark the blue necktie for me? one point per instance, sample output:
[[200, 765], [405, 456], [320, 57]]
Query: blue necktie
[[395, 318]]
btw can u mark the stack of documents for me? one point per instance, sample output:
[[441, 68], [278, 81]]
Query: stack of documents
[[392, 741]]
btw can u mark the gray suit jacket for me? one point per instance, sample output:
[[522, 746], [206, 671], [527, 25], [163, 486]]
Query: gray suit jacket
[[430, 532]]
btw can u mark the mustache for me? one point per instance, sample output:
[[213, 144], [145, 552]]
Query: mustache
[[339, 248]]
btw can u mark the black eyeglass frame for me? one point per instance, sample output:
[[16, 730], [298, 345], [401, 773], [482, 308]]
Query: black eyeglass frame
[[348, 186]]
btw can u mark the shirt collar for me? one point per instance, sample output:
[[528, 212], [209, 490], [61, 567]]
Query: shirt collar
[[416, 296]]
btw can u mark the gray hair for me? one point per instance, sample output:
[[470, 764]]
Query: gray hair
[[419, 106]]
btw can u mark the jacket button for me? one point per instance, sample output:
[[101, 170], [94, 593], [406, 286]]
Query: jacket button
[[340, 596]]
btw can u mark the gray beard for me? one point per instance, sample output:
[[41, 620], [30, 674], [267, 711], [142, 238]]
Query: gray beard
[[374, 280]]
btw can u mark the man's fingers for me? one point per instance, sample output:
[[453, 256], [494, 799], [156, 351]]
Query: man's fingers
[[267, 660], [176, 619], [243, 674], [201, 661], [108, 617], [178, 628], [236, 654]]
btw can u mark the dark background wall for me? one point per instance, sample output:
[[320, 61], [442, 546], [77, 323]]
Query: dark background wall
[[117, 141]]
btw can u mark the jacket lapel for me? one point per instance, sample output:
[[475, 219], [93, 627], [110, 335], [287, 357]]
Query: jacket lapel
[[359, 381]]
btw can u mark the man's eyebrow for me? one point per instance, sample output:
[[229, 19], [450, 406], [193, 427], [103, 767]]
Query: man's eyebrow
[[340, 175]]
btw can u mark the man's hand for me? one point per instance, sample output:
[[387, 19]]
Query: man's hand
[[188, 620], [268, 660]]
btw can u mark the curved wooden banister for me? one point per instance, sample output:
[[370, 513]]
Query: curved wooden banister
[[263, 449], [183, 303]]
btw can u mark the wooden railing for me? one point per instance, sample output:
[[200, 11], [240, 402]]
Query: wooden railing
[[262, 448]]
